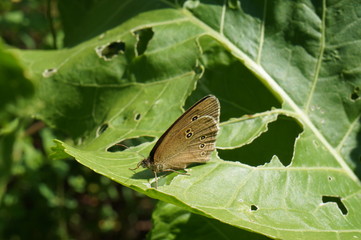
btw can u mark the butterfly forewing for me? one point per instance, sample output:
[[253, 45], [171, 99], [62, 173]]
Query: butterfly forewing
[[207, 106], [191, 138]]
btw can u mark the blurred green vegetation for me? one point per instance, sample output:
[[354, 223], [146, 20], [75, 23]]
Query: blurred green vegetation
[[42, 198], [80, 91]]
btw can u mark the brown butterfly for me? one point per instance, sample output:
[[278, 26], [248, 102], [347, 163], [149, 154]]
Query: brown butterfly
[[190, 139]]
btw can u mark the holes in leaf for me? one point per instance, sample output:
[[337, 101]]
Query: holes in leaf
[[111, 50], [198, 69], [356, 94], [117, 147], [49, 72], [330, 178], [254, 207], [131, 142], [137, 116], [234, 4], [244, 95], [143, 36], [102, 128], [279, 140], [337, 200]]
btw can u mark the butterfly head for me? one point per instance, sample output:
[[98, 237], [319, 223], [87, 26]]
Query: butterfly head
[[145, 163]]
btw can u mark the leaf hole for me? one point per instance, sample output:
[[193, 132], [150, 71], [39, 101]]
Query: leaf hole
[[356, 94], [254, 207], [330, 178], [234, 4], [198, 69], [143, 36], [337, 200], [111, 50], [49, 72], [102, 128], [128, 143], [248, 94], [278, 140], [137, 117]]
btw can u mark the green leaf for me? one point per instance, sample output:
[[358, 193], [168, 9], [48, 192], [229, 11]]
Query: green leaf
[[89, 16], [288, 78], [172, 222]]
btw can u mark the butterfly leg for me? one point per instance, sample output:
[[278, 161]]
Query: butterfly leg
[[156, 180], [138, 165]]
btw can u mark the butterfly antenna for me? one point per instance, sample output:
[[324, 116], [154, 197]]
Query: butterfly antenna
[[122, 145], [138, 165]]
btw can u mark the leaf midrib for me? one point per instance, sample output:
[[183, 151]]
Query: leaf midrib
[[269, 82]]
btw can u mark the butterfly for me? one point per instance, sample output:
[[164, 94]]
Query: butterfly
[[190, 139]]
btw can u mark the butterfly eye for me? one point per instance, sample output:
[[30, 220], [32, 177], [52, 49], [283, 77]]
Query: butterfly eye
[[202, 145], [188, 130], [202, 137], [194, 118], [203, 154]]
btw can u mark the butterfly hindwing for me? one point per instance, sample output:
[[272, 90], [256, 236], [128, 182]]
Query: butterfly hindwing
[[199, 137]]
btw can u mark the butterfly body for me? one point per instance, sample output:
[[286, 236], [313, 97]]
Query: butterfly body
[[190, 139]]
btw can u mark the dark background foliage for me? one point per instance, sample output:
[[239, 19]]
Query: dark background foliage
[[55, 199]]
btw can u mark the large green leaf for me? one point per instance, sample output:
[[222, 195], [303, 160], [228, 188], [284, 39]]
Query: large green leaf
[[172, 222], [288, 78]]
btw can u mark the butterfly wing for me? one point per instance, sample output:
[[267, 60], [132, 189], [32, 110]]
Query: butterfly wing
[[190, 139], [207, 106], [196, 145]]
